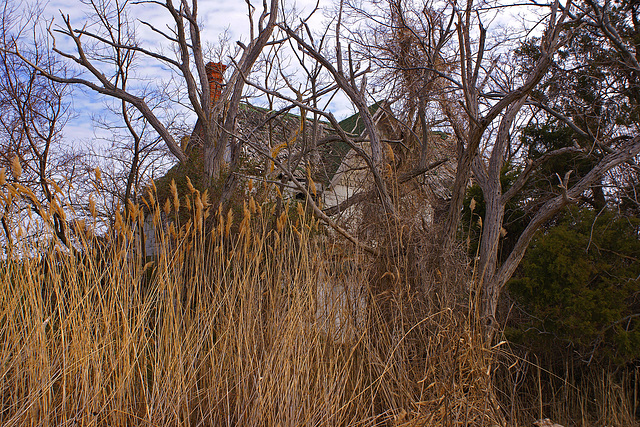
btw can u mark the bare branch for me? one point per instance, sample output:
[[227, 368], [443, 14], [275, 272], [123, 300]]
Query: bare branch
[[533, 166], [549, 209]]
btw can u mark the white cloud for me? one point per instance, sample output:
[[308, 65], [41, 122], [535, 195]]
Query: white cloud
[[216, 17]]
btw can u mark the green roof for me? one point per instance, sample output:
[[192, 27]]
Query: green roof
[[332, 153], [353, 124], [335, 152]]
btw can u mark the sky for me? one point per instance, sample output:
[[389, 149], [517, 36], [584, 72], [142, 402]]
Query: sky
[[216, 16]]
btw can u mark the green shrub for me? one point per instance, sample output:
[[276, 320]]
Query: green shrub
[[579, 288]]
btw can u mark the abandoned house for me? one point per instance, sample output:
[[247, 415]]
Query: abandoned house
[[327, 166]]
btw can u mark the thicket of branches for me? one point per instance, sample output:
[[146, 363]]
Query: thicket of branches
[[476, 133]]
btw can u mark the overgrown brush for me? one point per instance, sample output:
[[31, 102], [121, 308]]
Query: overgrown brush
[[251, 320]]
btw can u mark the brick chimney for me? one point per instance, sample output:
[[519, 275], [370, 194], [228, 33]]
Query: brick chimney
[[215, 70]]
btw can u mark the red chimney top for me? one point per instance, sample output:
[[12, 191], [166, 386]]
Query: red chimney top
[[215, 70]]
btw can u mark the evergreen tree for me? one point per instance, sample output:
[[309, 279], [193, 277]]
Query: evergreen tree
[[578, 288]]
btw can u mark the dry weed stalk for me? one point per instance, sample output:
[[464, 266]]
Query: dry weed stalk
[[226, 326]]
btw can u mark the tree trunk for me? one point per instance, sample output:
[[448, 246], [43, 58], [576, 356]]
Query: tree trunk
[[494, 284], [463, 173]]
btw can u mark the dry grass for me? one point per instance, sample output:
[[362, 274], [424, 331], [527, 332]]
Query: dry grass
[[571, 395], [232, 327]]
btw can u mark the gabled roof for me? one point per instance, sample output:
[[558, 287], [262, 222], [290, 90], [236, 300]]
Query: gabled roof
[[285, 127], [332, 151], [353, 125], [335, 150]]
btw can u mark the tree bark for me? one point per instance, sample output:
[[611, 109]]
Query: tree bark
[[495, 283]]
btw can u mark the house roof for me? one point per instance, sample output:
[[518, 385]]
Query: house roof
[[282, 134], [332, 151], [335, 150], [354, 125]]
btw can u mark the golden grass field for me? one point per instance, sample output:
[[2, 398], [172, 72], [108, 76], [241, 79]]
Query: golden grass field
[[243, 319]]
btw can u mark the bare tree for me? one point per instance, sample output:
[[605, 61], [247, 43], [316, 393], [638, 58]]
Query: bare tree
[[345, 74], [131, 159], [34, 111], [494, 276], [134, 152], [466, 70], [105, 47]]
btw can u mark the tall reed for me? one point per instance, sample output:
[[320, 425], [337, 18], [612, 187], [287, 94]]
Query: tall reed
[[247, 317]]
